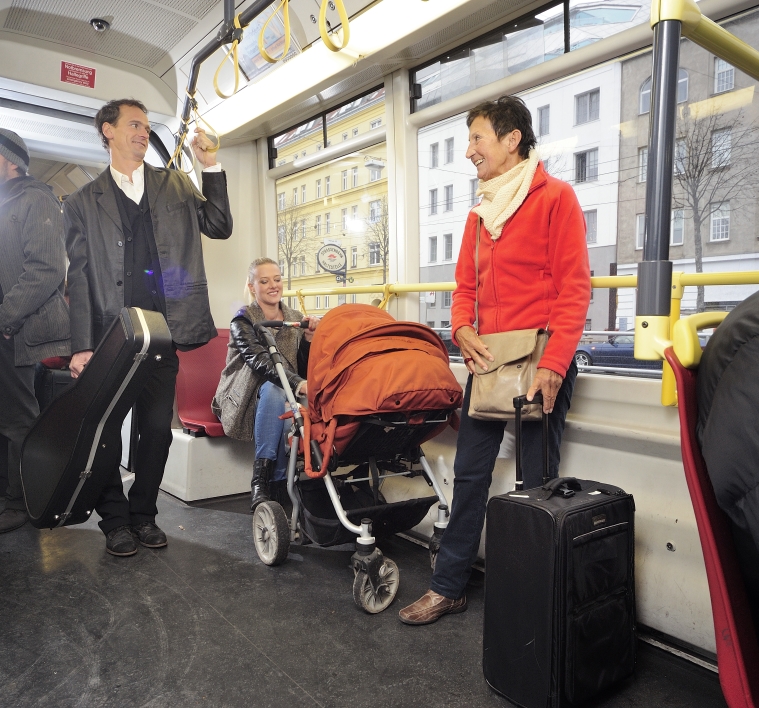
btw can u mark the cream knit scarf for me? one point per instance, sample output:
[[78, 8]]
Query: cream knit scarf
[[503, 195]]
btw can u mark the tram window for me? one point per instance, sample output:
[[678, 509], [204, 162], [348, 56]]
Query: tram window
[[642, 164], [368, 109], [721, 144], [720, 221], [640, 231], [544, 120], [586, 166], [676, 229], [587, 106], [591, 225], [433, 155], [724, 76]]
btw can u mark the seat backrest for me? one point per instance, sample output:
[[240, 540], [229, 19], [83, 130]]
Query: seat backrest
[[737, 648], [198, 377]]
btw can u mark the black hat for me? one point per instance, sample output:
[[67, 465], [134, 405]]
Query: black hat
[[13, 148]]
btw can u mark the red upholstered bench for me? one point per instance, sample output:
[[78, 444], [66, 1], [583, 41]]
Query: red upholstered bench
[[198, 377]]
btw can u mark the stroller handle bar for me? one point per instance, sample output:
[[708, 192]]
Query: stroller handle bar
[[267, 340]]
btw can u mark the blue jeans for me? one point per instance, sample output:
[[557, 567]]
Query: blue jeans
[[269, 429], [476, 452]]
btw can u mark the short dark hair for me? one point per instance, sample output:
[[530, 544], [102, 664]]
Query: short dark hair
[[109, 113], [505, 114]]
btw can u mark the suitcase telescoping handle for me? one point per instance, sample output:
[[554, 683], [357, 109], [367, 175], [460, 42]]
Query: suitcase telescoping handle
[[519, 402]]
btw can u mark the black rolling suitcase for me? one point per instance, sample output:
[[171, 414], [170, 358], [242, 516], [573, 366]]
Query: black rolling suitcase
[[559, 593], [64, 465]]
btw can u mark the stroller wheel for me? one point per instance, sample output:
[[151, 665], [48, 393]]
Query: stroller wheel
[[271, 533], [364, 594]]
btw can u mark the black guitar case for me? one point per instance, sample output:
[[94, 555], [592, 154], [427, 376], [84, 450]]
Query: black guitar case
[[64, 465]]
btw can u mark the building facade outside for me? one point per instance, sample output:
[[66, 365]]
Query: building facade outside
[[715, 219]]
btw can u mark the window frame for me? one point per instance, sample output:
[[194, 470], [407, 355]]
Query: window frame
[[590, 118]]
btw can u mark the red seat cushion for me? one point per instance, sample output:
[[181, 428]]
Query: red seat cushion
[[198, 377], [737, 649]]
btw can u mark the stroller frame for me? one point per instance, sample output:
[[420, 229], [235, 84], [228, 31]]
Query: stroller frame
[[375, 576]]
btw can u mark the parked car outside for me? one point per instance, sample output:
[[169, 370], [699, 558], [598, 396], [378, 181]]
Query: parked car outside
[[617, 351]]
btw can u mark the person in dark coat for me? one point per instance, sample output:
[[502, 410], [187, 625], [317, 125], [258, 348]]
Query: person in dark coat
[[34, 318], [728, 431], [133, 237]]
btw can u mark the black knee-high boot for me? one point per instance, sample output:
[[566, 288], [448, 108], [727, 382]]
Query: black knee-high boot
[[259, 486]]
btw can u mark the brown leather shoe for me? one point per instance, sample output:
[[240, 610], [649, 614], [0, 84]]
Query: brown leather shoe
[[430, 607]]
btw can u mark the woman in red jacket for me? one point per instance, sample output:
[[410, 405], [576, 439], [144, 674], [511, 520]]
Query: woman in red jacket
[[533, 272]]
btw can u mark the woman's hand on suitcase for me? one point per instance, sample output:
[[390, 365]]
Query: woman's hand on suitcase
[[548, 383], [78, 362], [473, 349]]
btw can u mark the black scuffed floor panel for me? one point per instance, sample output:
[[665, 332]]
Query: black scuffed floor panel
[[205, 623]]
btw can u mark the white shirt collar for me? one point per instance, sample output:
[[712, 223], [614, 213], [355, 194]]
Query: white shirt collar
[[138, 176]]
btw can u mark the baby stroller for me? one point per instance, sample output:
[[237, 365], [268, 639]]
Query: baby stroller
[[377, 389]]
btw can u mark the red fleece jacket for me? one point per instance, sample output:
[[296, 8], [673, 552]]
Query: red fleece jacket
[[535, 275]]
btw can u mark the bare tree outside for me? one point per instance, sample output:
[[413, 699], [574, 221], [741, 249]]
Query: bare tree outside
[[555, 164], [291, 236], [714, 166], [378, 235]]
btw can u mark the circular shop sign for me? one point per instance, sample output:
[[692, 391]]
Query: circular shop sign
[[332, 258]]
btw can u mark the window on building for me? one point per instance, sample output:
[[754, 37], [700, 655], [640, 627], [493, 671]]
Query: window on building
[[281, 201], [326, 302], [318, 189], [345, 136], [720, 226], [375, 211], [448, 193], [544, 120], [587, 106], [318, 302], [302, 265], [282, 267], [374, 253], [430, 323], [344, 219], [376, 123], [295, 196], [446, 301], [355, 132], [432, 301], [676, 229], [721, 145], [318, 146], [682, 86], [640, 231], [591, 225], [448, 247], [354, 256], [327, 218], [474, 185], [433, 249], [354, 215], [681, 148], [374, 174], [326, 186], [448, 150], [303, 194], [353, 298], [445, 323], [340, 300], [642, 164], [303, 228], [345, 179], [645, 91], [586, 166], [281, 233], [318, 225], [588, 325], [354, 177], [433, 201], [433, 155], [724, 76]]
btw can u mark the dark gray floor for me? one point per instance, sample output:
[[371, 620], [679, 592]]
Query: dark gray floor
[[204, 623]]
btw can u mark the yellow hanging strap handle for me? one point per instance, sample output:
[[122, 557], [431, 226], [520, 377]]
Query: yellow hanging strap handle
[[343, 21], [285, 6], [198, 119], [236, 39], [177, 156]]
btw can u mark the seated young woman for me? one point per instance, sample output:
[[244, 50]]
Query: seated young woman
[[249, 399]]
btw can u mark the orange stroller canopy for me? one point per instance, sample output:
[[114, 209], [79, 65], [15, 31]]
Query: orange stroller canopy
[[364, 362]]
